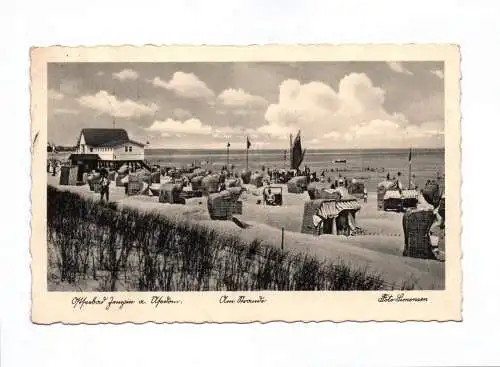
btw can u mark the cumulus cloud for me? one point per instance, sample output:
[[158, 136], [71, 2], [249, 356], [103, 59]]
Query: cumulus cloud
[[438, 73], [181, 113], [399, 68], [186, 85], [171, 126], [238, 98], [318, 109], [103, 102], [126, 74], [233, 131], [355, 114]]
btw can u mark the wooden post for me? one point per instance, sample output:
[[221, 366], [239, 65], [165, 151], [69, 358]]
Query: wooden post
[[247, 156], [282, 238]]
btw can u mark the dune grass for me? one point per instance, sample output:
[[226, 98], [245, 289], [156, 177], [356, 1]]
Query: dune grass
[[124, 249]]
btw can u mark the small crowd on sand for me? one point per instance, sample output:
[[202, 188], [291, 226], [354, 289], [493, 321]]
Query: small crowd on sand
[[193, 180]]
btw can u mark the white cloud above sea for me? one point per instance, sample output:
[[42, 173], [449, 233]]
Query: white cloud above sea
[[181, 113], [105, 103], [186, 85], [238, 98], [126, 74], [191, 126], [354, 114]]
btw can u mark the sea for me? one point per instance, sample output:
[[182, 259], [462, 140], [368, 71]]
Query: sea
[[368, 165]]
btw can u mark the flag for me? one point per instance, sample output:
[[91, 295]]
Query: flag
[[248, 143], [409, 156], [297, 154]]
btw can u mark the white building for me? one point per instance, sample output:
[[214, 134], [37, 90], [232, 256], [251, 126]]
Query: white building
[[110, 145]]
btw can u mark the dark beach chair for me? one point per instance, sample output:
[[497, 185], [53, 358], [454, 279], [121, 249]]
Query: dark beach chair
[[416, 227]]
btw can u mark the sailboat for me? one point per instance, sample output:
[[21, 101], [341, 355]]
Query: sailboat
[[297, 154]]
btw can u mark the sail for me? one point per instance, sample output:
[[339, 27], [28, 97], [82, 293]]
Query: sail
[[296, 153]]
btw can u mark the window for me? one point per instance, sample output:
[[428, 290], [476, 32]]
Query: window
[[130, 148], [91, 150], [126, 149]]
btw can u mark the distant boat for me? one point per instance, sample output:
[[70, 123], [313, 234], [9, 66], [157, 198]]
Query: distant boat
[[340, 161]]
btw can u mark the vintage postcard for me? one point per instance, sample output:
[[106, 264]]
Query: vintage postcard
[[246, 184]]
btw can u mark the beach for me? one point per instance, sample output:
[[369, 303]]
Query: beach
[[379, 249], [369, 165]]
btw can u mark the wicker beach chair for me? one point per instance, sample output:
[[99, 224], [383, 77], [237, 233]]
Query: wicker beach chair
[[257, 179], [416, 227], [222, 205], [245, 176], [171, 193], [196, 183], [297, 185]]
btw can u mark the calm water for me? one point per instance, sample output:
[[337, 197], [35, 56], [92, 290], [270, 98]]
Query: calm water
[[426, 163]]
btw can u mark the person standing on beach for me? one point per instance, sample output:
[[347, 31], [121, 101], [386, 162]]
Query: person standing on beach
[[104, 187]]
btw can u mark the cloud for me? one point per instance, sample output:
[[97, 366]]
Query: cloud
[[126, 74], [233, 131], [279, 131], [238, 98], [55, 95], [385, 133], [438, 73], [355, 115], [333, 134], [399, 68], [103, 102], [181, 113], [318, 109], [185, 85], [170, 126]]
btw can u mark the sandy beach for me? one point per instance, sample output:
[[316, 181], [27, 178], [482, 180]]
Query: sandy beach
[[379, 249]]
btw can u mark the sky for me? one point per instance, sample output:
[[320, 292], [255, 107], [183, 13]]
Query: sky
[[205, 105]]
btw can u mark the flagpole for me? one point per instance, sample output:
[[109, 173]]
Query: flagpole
[[227, 159], [247, 153], [409, 171]]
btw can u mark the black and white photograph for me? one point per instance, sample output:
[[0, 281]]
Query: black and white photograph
[[246, 176]]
